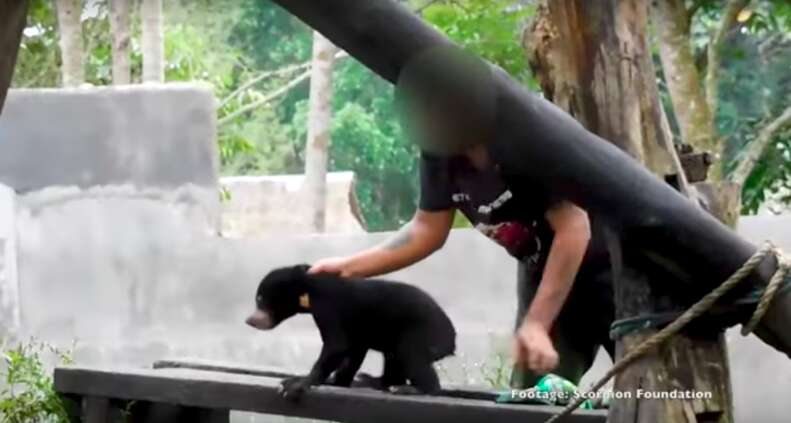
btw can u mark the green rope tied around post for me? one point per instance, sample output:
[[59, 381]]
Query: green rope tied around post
[[697, 309]]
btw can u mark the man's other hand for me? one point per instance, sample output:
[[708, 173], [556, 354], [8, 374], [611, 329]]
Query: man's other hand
[[533, 348]]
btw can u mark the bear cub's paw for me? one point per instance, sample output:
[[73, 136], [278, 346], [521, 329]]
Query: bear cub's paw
[[293, 388], [405, 390]]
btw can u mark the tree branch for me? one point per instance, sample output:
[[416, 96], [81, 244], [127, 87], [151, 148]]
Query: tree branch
[[727, 23], [683, 78], [261, 77], [258, 103], [757, 148], [694, 9], [275, 94]]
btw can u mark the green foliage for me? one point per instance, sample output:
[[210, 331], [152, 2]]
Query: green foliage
[[39, 54], [26, 391], [754, 87], [489, 28]]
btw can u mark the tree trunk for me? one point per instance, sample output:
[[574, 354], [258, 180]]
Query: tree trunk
[[602, 76], [12, 23], [119, 26], [153, 44], [319, 122], [683, 80], [593, 60], [70, 27]]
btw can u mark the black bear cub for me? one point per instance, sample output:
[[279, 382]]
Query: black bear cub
[[354, 315]]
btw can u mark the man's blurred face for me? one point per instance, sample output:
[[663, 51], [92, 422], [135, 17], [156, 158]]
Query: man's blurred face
[[448, 100], [440, 127]]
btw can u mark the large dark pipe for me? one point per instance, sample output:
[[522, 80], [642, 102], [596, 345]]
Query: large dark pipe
[[538, 142]]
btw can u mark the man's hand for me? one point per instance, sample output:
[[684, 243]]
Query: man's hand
[[423, 235], [533, 348], [336, 265]]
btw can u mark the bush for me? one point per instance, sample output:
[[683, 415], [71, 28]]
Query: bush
[[27, 394]]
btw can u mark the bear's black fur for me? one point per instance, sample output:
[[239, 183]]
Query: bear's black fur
[[355, 315]]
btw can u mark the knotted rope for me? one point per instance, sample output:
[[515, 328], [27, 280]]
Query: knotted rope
[[697, 309]]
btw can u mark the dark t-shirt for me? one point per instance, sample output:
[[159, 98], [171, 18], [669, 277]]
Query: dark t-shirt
[[513, 215]]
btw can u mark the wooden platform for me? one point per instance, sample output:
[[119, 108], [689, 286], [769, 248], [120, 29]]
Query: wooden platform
[[200, 391]]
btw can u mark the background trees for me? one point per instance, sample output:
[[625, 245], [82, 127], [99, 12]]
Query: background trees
[[69, 25], [257, 59]]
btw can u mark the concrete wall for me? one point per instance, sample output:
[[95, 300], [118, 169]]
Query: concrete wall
[[9, 284], [151, 142], [143, 283], [271, 204]]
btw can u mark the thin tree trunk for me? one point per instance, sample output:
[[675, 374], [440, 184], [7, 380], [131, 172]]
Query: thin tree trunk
[[153, 44], [119, 26], [593, 60], [683, 79], [70, 27], [319, 121]]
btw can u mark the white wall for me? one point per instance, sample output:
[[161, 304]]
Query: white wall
[[9, 283]]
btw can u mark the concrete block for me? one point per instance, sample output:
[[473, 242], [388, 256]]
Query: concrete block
[[146, 135]]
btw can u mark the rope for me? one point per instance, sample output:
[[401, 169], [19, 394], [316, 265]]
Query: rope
[[696, 310]]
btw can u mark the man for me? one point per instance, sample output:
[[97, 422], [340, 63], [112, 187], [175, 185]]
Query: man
[[550, 241], [564, 289]]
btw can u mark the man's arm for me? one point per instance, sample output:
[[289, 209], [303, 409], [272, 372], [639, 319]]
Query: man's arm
[[572, 234], [424, 234]]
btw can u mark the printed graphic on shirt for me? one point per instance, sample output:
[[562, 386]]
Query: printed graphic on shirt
[[496, 204], [518, 239]]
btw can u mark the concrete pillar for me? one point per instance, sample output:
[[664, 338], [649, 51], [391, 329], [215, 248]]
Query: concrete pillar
[[9, 282]]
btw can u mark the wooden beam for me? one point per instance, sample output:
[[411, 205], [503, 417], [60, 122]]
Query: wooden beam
[[216, 390], [536, 141], [234, 368]]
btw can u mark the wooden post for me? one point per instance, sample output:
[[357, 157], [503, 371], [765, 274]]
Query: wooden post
[[151, 412]]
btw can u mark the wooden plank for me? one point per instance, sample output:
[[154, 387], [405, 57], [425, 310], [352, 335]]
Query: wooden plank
[[216, 390], [225, 367]]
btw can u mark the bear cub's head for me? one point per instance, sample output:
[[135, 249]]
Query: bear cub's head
[[280, 295]]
